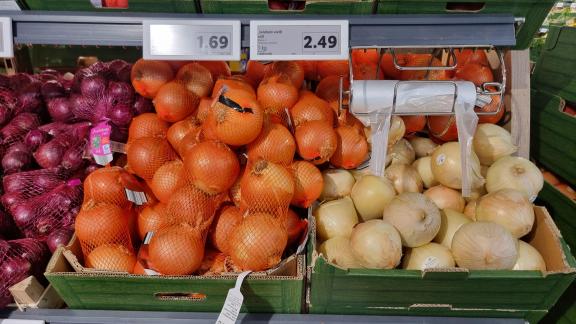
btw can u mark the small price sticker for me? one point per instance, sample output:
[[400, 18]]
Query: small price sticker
[[191, 40], [6, 43], [299, 40]]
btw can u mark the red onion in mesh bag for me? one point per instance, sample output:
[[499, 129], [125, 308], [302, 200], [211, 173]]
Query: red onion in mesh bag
[[121, 70], [35, 138], [52, 89], [50, 155], [18, 128], [82, 107], [121, 92], [8, 105], [60, 109], [73, 158], [11, 199], [20, 81], [4, 81], [142, 105], [7, 226], [16, 161], [59, 237], [119, 134], [47, 75], [43, 214], [29, 98], [93, 86], [33, 183], [57, 128], [120, 114]]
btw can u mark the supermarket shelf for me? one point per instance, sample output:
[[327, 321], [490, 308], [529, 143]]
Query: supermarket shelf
[[64, 316], [125, 29]]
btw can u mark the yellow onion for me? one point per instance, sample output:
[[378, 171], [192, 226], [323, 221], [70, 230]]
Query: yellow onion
[[445, 197], [401, 153], [492, 142], [529, 258], [428, 256], [451, 222], [447, 166], [512, 172], [338, 251], [404, 177], [509, 208], [424, 167], [370, 195], [423, 146], [337, 184], [335, 218], [376, 244]]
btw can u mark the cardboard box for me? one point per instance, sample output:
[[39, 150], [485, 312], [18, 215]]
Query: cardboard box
[[29, 293], [446, 292]]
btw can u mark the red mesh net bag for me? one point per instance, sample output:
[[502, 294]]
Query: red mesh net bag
[[267, 187], [258, 242], [227, 219], [39, 216], [177, 250], [292, 69], [275, 144], [18, 260], [167, 179], [193, 206], [196, 78], [329, 90], [308, 183], [112, 257], [18, 127], [147, 125], [146, 155], [108, 185], [277, 93], [310, 107], [99, 224], [152, 218], [25, 185], [70, 144]]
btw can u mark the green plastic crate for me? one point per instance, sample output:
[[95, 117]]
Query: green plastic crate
[[179, 6], [317, 7], [448, 292], [563, 210], [282, 292], [533, 11]]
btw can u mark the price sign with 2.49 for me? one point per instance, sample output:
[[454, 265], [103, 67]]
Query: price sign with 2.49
[[299, 39], [192, 40]]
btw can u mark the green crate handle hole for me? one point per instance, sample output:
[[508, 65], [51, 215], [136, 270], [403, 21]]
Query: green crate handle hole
[[169, 296], [465, 6]]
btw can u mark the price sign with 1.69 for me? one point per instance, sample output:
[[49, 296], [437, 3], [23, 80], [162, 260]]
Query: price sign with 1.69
[[299, 40], [192, 40]]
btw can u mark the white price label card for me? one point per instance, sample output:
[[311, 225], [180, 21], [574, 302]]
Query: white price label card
[[210, 40], [21, 321], [6, 43], [233, 302], [299, 40]]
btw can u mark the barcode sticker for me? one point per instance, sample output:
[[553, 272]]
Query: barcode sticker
[[233, 302], [137, 197]]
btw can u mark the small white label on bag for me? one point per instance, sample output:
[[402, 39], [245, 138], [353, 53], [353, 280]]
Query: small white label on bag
[[233, 302], [137, 197], [440, 159]]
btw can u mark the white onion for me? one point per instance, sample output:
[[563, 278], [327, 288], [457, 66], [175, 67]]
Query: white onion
[[404, 177], [335, 218], [337, 184], [401, 153], [423, 146], [447, 168], [428, 256], [445, 197], [512, 172], [416, 218], [451, 223], [470, 209], [484, 246], [397, 130], [424, 167], [370, 194], [529, 258], [509, 208], [376, 244], [492, 142], [359, 173], [337, 250]]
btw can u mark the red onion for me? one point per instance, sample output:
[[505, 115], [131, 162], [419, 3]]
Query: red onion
[[7, 227], [31, 183], [93, 87], [26, 121], [82, 107], [120, 114], [5, 115], [16, 161], [52, 89], [73, 158], [121, 70], [9, 200], [91, 168], [15, 267], [35, 138], [20, 81], [24, 214], [59, 237], [48, 74], [18, 147], [49, 155], [60, 109], [5, 81], [142, 105], [121, 92]]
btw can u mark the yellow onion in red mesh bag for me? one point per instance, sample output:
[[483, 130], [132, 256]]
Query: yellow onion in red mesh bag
[[275, 143], [112, 257], [152, 218], [99, 224], [148, 76], [351, 149], [174, 102], [292, 69], [267, 187], [308, 183], [258, 242], [238, 117], [226, 221], [106, 185], [177, 250], [196, 78], [193, 206], [316, 141], [147, 125], [167, 179], [146, 155], [211, 166], [309, 107], [179, 130]]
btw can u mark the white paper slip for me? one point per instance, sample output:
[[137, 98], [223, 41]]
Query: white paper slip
[[137, 197], [233, 302]]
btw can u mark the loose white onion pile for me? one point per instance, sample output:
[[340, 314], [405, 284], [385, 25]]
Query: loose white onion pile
[[447, 166], [404, 177], [445, 197], [337, 184], [512, 172], [451, 223], [376, 244], [509, 208], [422, 146], [424, 167], [335, 218], [370, 194], [428, 256], [337, 250], [492, 142]]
